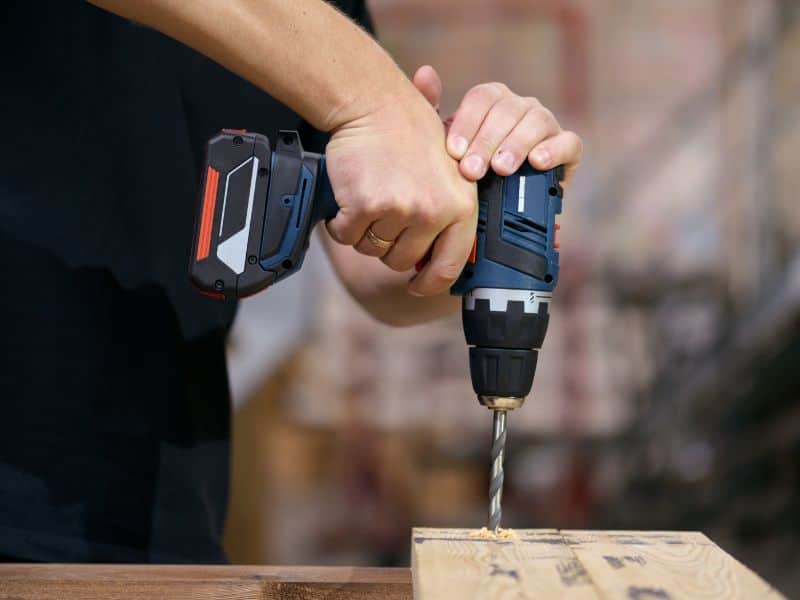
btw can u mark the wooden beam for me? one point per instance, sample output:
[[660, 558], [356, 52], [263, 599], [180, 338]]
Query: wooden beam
[[597, 565], [176, 582]]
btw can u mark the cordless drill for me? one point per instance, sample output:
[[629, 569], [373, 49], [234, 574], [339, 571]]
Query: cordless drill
[[258, 207]]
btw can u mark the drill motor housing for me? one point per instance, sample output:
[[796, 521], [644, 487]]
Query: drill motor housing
[[508, 283]]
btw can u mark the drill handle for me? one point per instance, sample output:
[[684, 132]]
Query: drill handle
[[325, 207]]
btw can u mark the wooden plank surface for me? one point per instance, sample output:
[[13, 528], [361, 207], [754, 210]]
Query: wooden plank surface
[[177, 582], [602, 565]]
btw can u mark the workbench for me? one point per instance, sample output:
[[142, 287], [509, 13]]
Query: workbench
[[196, 582], [447, 564]]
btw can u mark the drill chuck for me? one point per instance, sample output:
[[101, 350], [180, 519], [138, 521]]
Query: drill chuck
[[504, 329]]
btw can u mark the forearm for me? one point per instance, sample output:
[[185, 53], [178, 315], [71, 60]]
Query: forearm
[[303, 52], [382, 291]]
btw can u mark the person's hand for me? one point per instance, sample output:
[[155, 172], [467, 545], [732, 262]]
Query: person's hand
[[495, 127], [393, 178]]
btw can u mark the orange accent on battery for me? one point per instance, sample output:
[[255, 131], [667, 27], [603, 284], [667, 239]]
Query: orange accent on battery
[[207, 219], [473, 254], [213, 295], [235, 130]]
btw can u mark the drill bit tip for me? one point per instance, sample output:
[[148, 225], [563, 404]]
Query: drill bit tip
[[497, 473]]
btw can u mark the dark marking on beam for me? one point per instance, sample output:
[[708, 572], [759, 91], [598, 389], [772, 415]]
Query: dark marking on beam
[[631, 541], [614, 562], [572, 573], [498, 570], [646, 593]]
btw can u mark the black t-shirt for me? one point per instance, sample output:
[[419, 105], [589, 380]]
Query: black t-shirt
[[114, 408]]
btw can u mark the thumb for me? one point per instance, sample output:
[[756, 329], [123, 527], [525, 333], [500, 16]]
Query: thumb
[[427, 81]]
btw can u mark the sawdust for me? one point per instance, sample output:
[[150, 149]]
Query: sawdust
[[488, 534]]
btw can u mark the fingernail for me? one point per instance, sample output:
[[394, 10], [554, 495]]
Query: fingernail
[[459, 145], [541, 156], [504, 160], [474, 165], [415, 294]]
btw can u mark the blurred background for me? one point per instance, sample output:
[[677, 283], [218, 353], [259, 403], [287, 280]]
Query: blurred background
[[667, 391]]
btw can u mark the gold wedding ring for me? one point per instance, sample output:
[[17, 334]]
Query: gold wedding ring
[[378, 241]]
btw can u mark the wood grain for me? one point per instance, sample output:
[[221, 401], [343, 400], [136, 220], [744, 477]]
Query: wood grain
[[549, 563], [448, 563], [669, 565], [176, 582]]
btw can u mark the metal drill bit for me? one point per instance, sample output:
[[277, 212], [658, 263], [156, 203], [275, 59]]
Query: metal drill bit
[[496, 482]]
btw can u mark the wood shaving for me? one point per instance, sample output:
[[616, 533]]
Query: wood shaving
[[502, 534]]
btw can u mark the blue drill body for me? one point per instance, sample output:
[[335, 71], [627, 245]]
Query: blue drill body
[[516, 237]]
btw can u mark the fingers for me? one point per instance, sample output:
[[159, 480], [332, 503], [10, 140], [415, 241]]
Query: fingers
[[536, 125], [350, 224], [450, 252], [468, 118], [410, 246], [565, 148], [428, 82], [493, 127], [497, 125]]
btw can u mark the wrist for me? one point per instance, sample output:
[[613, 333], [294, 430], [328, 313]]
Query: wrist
[[371, 97]]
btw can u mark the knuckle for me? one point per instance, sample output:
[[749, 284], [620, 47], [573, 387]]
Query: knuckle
[[486, 92], [465, 209], [445, 271], [576, 142], [336, 234], [348, 237], [397, 263], [484, 144], [427, 215], [520, 104], [402, 208], [542, 114], [374, 206]]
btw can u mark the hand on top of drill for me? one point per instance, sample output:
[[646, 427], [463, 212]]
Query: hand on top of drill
[[393, 171], [494, 127]]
